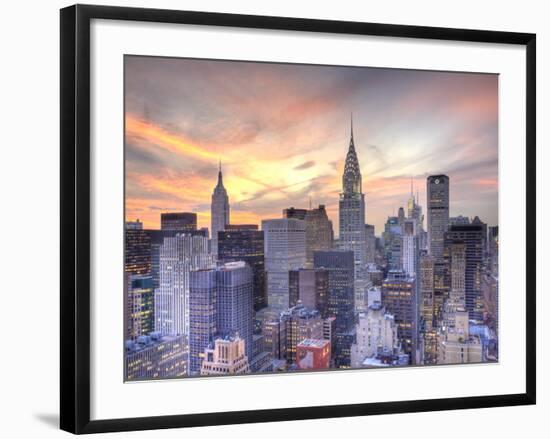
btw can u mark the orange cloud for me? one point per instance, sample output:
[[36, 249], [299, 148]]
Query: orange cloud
[[171, 142]]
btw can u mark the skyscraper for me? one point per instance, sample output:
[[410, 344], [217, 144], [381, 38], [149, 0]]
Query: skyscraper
[[473, 237], [219, 211], [456, 254], [140, 304], [371, 243], [399, 299], [340, 265], [245, 244], [319, 234], [393, 243], [414, 210], [426, 290], [157, 240], [137, 249], [310, 286], [285, 250], [221, 304], [409, 247], [438, 213], [352, 234], [179, 221], [179, 255]]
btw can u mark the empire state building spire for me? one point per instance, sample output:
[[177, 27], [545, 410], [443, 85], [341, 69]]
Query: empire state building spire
[[219, 211], [351, 180]]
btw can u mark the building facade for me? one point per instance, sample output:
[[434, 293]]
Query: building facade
[[178, 221], [313, 354], [472, 236], [438, 213], [156, 356], [227, 356], [376, 332], [140, 306], [285, 250], [246, 244], [178, 256], [221, 305], [399, 299], [310, 287], [319, 233]]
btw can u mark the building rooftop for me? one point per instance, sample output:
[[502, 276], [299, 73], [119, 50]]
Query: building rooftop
[[146, 341], [313, 342]]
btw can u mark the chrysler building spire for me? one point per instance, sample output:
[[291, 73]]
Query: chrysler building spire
[[352, 232], [351, 180]]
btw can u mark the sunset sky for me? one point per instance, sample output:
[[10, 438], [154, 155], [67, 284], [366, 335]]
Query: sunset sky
[[282, 133]]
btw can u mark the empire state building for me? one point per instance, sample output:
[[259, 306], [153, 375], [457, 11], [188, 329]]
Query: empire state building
[[219, 211], [352, 210]]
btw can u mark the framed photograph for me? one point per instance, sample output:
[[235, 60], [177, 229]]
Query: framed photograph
[[267, 218]]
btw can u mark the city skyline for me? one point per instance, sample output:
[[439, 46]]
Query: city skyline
[[272, 287], [175, 138]]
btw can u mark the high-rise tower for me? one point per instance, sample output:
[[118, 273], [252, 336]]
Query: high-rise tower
[[219, 211], [352, 210], [438, 213]]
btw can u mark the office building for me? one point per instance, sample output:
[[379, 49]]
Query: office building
[[409, 248], [140, 306], [178, 221], [473, 237], [313, 354], [457, 345], [178, 256], [310, 287], [319, 233], [246, 244], [284, 250], [225, 356], [137, 249], [456, 256], [341, 300], [221, 304], [155, 356], [399, 299], [438, 213], [371, 243], [376, 332], [300, 323]]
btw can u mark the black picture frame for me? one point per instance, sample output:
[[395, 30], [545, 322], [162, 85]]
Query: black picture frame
[[75, 217]]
